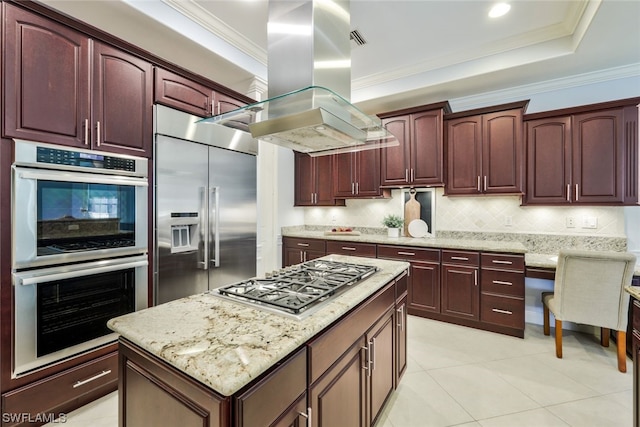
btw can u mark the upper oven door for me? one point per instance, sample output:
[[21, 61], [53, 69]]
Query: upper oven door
[[65, 216]]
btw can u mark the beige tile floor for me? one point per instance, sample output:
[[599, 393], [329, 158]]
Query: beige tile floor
[[463, 377]]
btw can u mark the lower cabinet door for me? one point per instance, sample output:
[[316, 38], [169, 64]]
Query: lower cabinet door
[[339, 397], [381, 368], [460, 292], [424, 288]]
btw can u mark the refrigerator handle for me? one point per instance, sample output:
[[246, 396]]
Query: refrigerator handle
[[214, 223], [204, 227]]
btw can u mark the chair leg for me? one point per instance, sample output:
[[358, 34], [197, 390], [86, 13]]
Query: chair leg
[[622, 351], [604, 337], [559, 339], [545, 319]]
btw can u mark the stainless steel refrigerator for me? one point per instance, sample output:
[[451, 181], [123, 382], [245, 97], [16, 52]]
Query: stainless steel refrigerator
[[205, 205]]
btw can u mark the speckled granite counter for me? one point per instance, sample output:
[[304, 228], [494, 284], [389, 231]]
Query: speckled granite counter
[[427, 242], [226, 345], [634, 291]]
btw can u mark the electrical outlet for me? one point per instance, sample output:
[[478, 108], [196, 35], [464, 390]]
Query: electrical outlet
[[571, 222], [589, 222]]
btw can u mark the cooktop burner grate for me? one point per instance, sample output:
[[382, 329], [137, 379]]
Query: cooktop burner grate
[[296, 289]]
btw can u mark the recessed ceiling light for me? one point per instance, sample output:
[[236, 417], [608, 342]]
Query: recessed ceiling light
[[499, 9]]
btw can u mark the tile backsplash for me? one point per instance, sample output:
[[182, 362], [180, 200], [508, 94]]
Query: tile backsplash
[[502, 214]]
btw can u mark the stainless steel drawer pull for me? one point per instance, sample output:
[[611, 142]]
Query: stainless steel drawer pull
[[497, 261], [497, 310], [460, 258], [93, 378], [303, 244], [500, 282], [347, 248], [407, 253]]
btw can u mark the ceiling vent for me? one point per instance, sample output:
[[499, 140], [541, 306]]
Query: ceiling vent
[[357, 38]]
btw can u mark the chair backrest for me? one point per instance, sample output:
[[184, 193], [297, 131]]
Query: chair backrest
[[589, 287]]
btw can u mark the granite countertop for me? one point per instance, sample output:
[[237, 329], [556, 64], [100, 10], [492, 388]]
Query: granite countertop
[[634, 291], [226, 345], [426, 242]]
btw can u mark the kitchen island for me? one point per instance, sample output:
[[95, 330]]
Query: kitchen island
[[203, 360]]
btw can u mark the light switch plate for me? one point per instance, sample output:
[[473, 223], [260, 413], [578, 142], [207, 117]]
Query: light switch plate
[[589, 222]]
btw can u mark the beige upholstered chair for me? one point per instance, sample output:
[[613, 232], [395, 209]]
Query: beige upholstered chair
[[589, 289]]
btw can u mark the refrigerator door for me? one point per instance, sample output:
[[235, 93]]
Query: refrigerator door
[[181, 218], [232, 216]]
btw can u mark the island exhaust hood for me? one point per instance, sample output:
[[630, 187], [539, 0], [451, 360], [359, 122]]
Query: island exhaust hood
[[309, 72]]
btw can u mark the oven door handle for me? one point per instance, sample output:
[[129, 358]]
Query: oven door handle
[[50, 274], [80, 177]]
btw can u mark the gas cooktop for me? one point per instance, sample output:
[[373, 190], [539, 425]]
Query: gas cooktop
[[294, 290]]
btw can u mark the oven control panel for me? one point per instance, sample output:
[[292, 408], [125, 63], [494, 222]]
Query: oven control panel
[[85, 160]]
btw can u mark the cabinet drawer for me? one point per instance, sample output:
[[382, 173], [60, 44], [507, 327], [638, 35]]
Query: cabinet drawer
[[263, 403], [502, 282], [408, 253], [350, 248], [505, 311], [503, 261], [636, 314], [64, 387], [461, 257], [305, 244]]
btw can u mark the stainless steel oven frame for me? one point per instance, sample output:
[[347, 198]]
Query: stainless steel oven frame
[[26, 171], [25, 359]]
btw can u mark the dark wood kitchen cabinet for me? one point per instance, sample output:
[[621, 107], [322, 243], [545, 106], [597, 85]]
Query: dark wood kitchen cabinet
[[296, 250], [588, 157], [401, 327], [63, 87], [351, 248], [314, 181], [461, 284], [484, 151], [357, 175], [502, 291], [176, 91], [423, 282], [153, 393], [418, 160]]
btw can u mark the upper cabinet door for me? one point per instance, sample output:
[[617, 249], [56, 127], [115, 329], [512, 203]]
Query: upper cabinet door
[[502, 152], [598, 157], [427, 148], [395, 160], [548, 160], [464, 155], [179, 92], [46, 81], [122, 102]]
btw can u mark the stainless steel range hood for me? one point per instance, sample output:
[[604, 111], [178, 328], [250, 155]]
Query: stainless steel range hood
[[309, 74]]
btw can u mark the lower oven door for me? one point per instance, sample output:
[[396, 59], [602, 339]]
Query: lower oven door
[[62, 311]]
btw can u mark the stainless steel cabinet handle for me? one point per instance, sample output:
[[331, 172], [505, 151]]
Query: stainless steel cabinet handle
[[347, 248], [305, 256], [485, 183], [479, 187], [400, 323], [475, 277], [497, 261], [98, 133], [413, 174], [93, 378], [86, 131], [500, 282], [407, 253], [301, 260], [303, 244], [577, 194], [497, 310], [307, 416], [357, 188], [366, 366], [353, 188], [406, 175], [218, 107], [372, 355], [460, 258], [568, 192]]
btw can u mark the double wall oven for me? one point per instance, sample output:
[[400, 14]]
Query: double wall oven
[[79, 249]]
